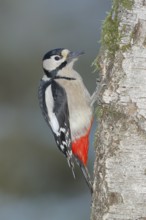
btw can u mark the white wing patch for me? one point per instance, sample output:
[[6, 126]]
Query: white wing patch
[[62, 129], [50, 105], [54, 123], [62, 147]]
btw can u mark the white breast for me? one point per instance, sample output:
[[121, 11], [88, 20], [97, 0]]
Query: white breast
[[80, 111]]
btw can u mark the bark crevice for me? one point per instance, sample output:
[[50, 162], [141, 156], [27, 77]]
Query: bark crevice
[[120, 164]]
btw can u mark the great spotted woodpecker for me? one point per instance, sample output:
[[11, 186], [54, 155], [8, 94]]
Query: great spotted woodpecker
[[67, 107]]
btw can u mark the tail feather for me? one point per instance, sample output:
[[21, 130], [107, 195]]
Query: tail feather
[[86, 174], [87, 177], [71, 163]]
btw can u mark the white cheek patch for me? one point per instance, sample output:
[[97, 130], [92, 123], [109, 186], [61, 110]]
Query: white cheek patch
[[48, 65], [52, 64]]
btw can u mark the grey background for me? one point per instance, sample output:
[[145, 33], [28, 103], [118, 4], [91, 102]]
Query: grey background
[[35, 181]]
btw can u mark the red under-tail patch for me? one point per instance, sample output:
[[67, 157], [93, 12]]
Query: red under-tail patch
[[80, 147]]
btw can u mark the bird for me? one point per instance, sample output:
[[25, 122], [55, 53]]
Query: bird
[[67, 107]]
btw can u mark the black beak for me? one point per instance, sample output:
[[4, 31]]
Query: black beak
[[74, 55]]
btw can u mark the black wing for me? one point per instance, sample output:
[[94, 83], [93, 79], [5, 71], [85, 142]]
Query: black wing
[[61, 111], [63, 139], [41, 95]]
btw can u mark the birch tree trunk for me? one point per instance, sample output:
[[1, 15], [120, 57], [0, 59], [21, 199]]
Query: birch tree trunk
[[120, 165]]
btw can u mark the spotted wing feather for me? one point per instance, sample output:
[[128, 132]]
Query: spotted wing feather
[[61, 112]]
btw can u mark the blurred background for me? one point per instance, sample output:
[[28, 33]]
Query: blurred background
[[35, 181]]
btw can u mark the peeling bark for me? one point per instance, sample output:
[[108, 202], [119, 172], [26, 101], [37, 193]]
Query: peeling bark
[[120, 165]]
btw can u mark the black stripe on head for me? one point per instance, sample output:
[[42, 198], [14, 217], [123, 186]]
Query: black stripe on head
[[62, 65], [48, 55], [52, 53], [53, 73]]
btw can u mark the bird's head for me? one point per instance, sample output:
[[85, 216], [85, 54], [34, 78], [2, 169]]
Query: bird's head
[[58, 59]]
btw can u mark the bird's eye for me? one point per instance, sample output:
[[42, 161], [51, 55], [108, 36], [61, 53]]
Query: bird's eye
[[57, 57]]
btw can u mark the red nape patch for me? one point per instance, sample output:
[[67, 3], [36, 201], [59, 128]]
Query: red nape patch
[[80, 148]]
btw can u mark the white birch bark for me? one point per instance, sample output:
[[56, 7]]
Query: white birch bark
[[120, 165]]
